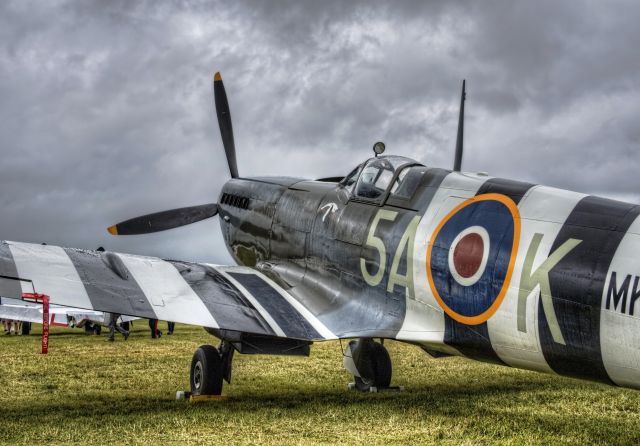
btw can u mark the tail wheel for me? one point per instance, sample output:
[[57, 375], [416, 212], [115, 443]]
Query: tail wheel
[[206, 371], [377, 361]]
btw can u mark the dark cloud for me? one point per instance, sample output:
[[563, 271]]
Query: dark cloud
[[107, 113]]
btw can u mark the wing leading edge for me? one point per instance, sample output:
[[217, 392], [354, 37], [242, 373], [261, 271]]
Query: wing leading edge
[[232, 298]]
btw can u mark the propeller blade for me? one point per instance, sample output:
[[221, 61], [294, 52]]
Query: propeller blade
[[224, 121], [161, 221]]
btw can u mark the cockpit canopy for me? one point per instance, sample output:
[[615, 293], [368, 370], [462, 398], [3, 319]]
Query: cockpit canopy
[[378, 177]]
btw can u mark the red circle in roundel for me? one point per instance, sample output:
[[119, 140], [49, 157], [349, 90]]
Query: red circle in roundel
[[467, 255]]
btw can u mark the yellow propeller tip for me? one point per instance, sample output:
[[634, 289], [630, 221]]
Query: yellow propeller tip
[[217, 77], [113, 230]]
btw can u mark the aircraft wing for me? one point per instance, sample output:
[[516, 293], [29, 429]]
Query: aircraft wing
[[26, 311], [17, 310], [228, 298]]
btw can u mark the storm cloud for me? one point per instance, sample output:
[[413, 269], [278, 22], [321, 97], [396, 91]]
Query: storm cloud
[[106, 109]]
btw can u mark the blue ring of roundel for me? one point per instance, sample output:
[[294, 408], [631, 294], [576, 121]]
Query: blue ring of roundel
[[475, 299]]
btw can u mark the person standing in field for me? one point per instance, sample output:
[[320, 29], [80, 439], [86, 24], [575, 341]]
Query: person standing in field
[[153, 326], [155, 332], [9, 326], [113, 326]]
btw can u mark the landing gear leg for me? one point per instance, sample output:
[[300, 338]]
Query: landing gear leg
[[209, 367], [226, 353], [369, 363]]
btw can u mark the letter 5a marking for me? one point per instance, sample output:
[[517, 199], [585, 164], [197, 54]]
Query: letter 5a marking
[[406, 243]]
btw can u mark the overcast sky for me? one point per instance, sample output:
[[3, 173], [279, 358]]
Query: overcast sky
[[106, 107]]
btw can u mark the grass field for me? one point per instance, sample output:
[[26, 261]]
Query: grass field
[[89, 391]]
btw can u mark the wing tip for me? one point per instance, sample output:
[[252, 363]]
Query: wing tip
[[113, 230], [217, 77]]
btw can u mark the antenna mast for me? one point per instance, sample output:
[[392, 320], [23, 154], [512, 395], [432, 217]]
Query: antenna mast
[[457, 164]]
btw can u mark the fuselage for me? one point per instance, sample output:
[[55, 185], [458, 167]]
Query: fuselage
[[491, 269]]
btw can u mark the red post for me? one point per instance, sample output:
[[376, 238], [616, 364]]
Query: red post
[[45, 317], [45, 324]]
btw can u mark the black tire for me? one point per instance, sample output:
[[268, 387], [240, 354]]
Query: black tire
[[97, 329], [205, 377], [380, 362], [26, 328]]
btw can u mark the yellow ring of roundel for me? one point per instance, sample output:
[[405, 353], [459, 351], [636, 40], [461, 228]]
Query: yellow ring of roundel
[[482, 317]]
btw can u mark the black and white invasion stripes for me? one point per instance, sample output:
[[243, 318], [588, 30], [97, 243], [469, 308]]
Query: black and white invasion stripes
[[590, 241], [227, 297]]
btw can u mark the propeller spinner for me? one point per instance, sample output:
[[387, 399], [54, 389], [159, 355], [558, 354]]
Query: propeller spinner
[[174, 218]]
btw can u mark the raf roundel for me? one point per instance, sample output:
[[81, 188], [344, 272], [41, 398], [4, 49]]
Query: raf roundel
[[471, 257], [468, 255]]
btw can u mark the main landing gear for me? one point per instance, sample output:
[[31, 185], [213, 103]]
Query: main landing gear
[[209, 367], [369, 363], [365, 358]]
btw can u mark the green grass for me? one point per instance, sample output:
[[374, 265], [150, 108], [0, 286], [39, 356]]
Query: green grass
[[90, 391]]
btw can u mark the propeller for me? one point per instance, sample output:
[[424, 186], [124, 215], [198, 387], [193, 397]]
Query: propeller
[[161, 221], [224, 121], [174, 218]]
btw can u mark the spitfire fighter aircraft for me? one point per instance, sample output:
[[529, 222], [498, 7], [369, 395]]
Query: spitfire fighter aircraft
[[456, 263]]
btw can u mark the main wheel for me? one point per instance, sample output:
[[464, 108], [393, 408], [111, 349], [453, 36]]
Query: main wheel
[[206, 371], [378, 361], [26, 328]]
